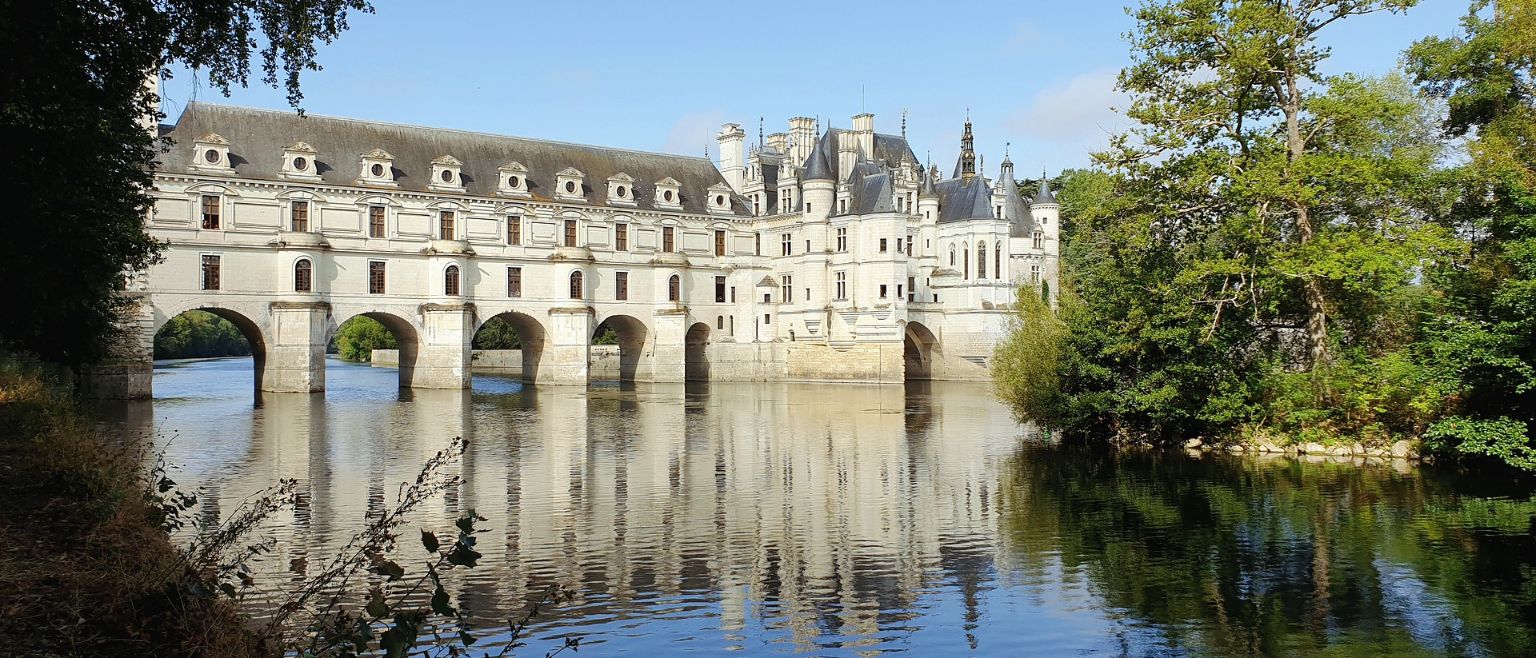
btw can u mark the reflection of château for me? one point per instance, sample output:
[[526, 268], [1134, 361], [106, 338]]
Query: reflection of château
[[831, 256], [777, 501]]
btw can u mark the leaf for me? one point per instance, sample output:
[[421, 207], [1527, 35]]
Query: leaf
[[376, 605], [441, 604], [429, 540], [389, 569], [228, 590], [463, 555]]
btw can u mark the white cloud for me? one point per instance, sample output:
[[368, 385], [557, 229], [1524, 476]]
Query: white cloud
[[692, 132], [1074, 117]]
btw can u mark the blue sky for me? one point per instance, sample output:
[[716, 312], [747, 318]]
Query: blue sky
[[664, 76]]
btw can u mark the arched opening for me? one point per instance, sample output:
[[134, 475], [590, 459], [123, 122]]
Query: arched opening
[[918, 347], [576, 285], [617, 345], [216, 334], [674, 288], [303, 276], [509, 344], [451, 281], [696, 353], [375, 338]]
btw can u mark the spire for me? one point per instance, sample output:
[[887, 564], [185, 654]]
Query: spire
[[1007, 172], [929, 174], [1043, 194], [819, 165], [965, 167]]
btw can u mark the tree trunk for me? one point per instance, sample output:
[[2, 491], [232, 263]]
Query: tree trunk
[[1317, 311]]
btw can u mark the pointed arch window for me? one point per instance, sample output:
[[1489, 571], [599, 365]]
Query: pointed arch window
[[576, 285], [674, 288], [997, 261], [965, 270], [303, 276], [981, 260], [951, 255], [451, 281]]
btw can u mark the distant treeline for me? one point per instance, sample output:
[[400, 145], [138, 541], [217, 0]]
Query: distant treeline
[[199, 334]]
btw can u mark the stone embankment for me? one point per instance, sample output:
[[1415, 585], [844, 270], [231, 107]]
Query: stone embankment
[[1401, 451]]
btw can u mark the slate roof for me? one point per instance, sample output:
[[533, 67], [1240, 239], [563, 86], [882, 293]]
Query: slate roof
[[1021, 223], [961, 199], [257, 138], [1043, 194]]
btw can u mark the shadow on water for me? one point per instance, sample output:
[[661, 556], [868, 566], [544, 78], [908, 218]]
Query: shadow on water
[[772, 517]]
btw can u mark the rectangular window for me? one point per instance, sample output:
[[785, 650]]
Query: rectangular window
[[1034, 274], [210, 211], [375, 277], [1039, 240], [514, 282], [621, 237], [898, 291], [842, 285], [882, 291], [909, 245], [757, 244], [375, 221], [789, 289], [719, 243], [668, 239], [445, 225], [570, 232], [842, 239], [733, 294], [719, 290], [882, 245], [621, 286], [788, 244], [911, 289], [299, 212], [210, 272], [767, 318], [757, 206], [514, 229]]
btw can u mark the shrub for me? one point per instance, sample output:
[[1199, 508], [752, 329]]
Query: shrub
[[1502, 439]]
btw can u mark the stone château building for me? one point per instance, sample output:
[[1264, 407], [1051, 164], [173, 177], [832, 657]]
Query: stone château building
[[815, 255]]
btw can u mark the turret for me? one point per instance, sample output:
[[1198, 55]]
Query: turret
[[820, 179], [928, 197], [732, 158]]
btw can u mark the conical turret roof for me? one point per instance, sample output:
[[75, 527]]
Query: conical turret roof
[[819, 165], [1043, 193]]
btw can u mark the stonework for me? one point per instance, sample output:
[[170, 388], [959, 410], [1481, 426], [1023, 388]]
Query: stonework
[[816, 255]]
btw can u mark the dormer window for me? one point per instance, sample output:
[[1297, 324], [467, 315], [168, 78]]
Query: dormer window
[[720, 198], [569, 184], [667, 193], [621, 189], [378, 168], [299, 161], [512, 180], [447, 174], [211, 153]]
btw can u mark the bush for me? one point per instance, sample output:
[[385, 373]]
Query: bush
[[1026, 364], [1501, 439]]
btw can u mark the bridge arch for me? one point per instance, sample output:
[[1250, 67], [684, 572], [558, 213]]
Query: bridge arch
[[919, 346], [531, 336], [632, 334], [696, 352], [407, 334], [243, 317]]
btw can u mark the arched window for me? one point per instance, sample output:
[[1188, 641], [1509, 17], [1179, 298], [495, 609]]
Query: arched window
[[997, 261], [303, 276], [575, 285], [720, 322], [451, 281], [965, 271], [674, 288], [981, 260], [951, 255]]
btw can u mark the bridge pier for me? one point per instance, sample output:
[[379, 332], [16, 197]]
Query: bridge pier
[[295, 359], [127, 373], [669, 355], [567, 347], [442, 357]]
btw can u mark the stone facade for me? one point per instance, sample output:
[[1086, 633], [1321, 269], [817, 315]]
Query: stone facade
[[816, 255]]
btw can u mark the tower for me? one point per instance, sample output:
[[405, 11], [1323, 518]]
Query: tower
[[965, 167], [732, 139]]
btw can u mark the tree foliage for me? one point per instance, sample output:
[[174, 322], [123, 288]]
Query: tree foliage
[[497, 334], [78, 121], [357, 338], [199, 334], [1273, 249]]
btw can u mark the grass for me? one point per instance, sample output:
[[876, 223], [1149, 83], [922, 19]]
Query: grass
[[86, 568]]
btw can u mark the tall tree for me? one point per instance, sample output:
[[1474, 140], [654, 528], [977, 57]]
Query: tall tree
[[78, 121], [1226, 92]]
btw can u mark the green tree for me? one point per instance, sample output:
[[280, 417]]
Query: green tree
[[199, 334], [73, 119], [357, 338], [1481, 333], [497, 334]]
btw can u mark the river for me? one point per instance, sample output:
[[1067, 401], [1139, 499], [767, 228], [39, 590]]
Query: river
[[858, 520]]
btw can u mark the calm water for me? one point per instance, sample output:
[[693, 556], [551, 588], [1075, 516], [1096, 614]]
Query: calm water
[[849, 520]]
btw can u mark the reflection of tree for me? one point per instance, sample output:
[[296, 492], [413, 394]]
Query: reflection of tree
[[1282, 557]]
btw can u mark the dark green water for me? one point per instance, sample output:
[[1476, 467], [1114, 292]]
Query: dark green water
[[852, 520]]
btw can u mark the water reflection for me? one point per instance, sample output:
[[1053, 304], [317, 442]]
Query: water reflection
[[850, 519]]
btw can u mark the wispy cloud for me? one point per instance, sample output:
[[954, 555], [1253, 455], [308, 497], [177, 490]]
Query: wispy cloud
[[1075, 116], [692, 132]]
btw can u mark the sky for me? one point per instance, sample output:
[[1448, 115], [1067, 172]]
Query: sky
[[1037, 78]]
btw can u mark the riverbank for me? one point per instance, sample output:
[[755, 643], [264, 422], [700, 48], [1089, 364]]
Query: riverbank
[[85, 566]]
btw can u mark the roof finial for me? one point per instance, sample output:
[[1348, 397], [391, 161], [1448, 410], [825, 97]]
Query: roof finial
[[759, 131], [903, 123], [1006, 146]]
